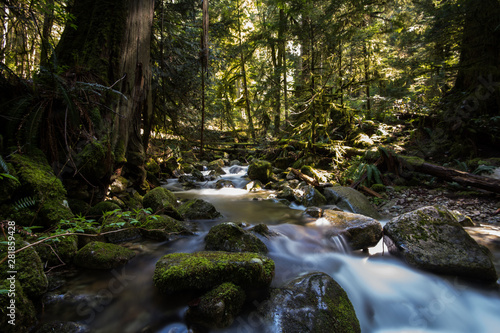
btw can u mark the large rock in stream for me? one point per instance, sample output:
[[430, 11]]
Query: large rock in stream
[[208, 269], [349, 199], [311, 303], [99, 255], [233, 238], [198, 209], [260, 170], [359, 231], [430, 238]]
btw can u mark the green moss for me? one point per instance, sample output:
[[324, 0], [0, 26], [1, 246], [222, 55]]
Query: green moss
[[93, 161], [205, 270], [197, 209], [102, 207], [232, 238], [162, 227], [29, 269], [218, 307], [260, 170], [98, 255], [159, 199], [54, 251], [25, 313], [152, 166]]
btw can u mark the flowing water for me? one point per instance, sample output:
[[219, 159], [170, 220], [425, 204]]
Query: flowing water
[[388, 296]]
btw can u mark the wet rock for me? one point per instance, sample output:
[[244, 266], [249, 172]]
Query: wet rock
[[311, 303], [119, 185], [232, 238], [206, 270], [216, 165], [163, 228], [222, 183], [286, 193], [218, 307], [314, 212], [63, 327], [98, 255], [23, 315], [236, 169], [260, 170], [39, 182], [102, 207], [122, 230], [263, 229], [254, 186], [308, 196], [430, 238], [464, 220], [162, 201], [58, 251], [359, 231], [29, 269], [198, 209], [350, 200]]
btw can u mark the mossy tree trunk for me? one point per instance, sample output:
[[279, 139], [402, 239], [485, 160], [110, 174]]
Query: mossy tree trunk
[[109, 43], [474, 101]]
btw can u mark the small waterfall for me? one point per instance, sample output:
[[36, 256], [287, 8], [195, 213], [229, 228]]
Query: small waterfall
[[341, 244]]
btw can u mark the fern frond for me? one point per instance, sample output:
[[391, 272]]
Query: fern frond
[[24, 203], [4, 165]]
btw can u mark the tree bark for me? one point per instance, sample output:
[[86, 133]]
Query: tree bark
[[453, 175], [111, 45]]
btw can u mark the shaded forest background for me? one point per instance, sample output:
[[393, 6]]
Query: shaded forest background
[[94, 84]]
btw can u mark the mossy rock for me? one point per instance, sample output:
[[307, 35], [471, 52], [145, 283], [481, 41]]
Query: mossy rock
[[218, 307], [98, 255], [79, 207], [94, 161], [309, 196], [54, 251], [430, 238], [8, 186], [24, 315], [198, 209], [153, 166], [311, 303], [349, 199], [205, 270], [161, 201], [232, 238], [102, 207], [163, 228], [39, 181], [216, 164], [29, 269], [260, 170], [123, 230]]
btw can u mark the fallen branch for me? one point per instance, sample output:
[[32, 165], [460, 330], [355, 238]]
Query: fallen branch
[[311, 181]]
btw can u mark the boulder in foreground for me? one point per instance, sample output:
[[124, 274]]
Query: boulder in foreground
[[430, 238]]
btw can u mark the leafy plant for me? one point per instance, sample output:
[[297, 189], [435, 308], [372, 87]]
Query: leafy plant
[[6, 173], [24, 203]]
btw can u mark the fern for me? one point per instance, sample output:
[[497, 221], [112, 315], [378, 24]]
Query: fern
[[6, 174], [24, 203], [487, 169], [4, 165]]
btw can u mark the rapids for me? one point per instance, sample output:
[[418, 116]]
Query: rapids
[[388, 296]]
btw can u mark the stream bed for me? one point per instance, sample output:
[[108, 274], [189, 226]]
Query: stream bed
[[387, 295]]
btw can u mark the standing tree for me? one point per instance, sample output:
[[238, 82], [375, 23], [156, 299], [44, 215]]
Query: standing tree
[[109, 46]]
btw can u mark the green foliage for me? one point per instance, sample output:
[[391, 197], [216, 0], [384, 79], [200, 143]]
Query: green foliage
[[359, 171]]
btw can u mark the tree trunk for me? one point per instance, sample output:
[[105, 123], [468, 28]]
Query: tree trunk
[[453, 175], [111, 44], [48, 22]]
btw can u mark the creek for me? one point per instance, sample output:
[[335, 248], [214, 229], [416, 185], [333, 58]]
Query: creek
[[388, 295]]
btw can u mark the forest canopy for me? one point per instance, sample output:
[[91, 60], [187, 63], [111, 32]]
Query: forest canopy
[[113, 73]]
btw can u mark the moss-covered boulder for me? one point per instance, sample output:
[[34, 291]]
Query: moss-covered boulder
[[311, 303], [98, 255], [161, 201], [38, 181], [102, 207], [162, 228], [430, 238], [208, 269], [218, 307], [94, 160], [198, 209], [216, 164], [62, 248], [308, 196], [233, 238], [260, 170], [359, 231], [349, 199], [8, 185], [17, 312], [117, 229], [29, 268]]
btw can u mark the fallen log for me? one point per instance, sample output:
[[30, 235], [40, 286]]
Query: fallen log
[[453, 175], [306, 178]]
